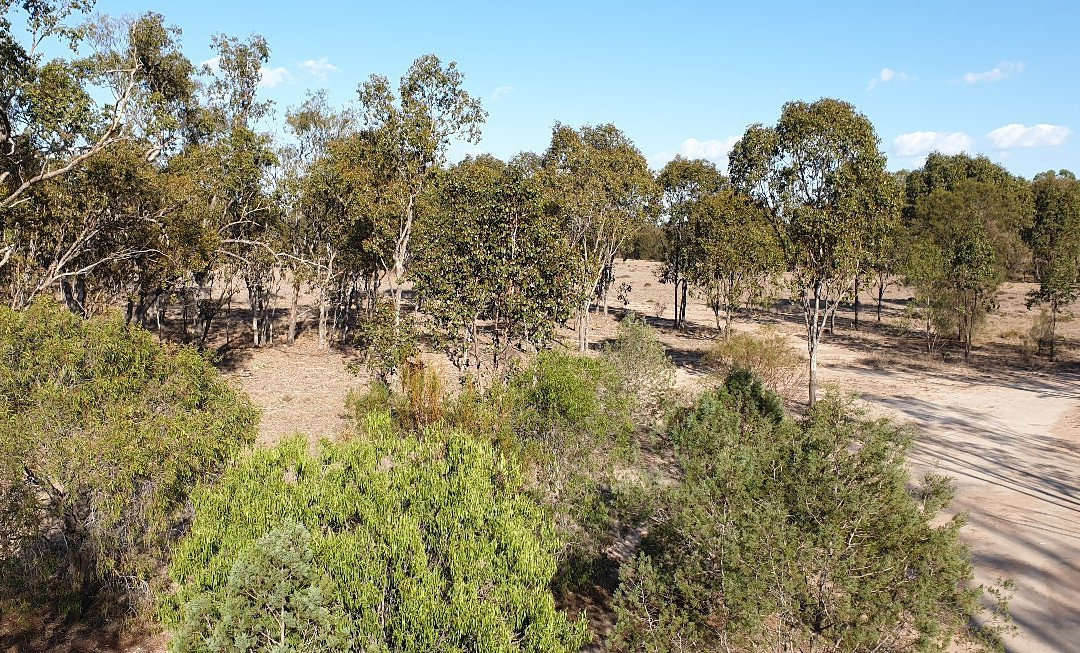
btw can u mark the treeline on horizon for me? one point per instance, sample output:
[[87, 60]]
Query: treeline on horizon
[[169, 200], [443, 520]]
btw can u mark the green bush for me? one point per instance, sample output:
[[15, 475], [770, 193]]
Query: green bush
[[794, 536], [562, 396], [387, 342], [566, 420], [275, 599], [749, 396], [426, 539], [103, 432]]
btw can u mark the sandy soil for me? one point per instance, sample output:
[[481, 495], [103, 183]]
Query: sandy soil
[[300, 388]]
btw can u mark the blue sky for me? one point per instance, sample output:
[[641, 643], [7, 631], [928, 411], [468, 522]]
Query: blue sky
[[1001, 79]]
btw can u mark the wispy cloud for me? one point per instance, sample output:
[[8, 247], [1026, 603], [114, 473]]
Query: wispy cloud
[[1003, 70], [888, 75], [211, 63], [1016, 135], [318, 68], [919, 144], [271, 77], [501, 92]]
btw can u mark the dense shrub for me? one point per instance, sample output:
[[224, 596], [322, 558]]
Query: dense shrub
[[275, 599], [425, 541], [794, 536], [102, 434]]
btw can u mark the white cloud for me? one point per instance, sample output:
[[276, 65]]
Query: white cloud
[[319, 68], [887, 75], [919, 144], [212, 63], [713, 150], [997, 73], [501, 91], [1016, 135], [271, 77]]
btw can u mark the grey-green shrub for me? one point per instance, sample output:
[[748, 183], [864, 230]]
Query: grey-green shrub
[[795, 536], [103, 432]]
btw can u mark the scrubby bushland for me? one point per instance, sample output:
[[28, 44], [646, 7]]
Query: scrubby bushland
[[641, 362], [766, 354], [103, 432], [418, 542], [786, 535], [566, 420]]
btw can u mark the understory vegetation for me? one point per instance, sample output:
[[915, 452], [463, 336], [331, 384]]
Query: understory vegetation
[[468, 521]]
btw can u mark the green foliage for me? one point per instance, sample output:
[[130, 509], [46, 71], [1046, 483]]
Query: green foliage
[[387, 342], [488, 254], [562, 396], [749, 395], [971, 192], [732, 252], [425, 541], [971, 230], [419, 404], [641, 362], [275, 599], [786, 535], [1054, 238], [646, 245], [822, 176], [599, 186], [103, 433]]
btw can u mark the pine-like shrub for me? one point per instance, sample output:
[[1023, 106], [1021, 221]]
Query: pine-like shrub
[[795, 536], [426, 539]]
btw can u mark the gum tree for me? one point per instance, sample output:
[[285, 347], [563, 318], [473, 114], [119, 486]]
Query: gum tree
[[412, 129], [1055, 242], [821, 175], [600, 187]]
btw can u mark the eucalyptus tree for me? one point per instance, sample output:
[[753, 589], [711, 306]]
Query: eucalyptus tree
[[489, 255], [313, 227], [1054, 238], [223, 170], [600, 186], [55, 228], [411, 130], [49, 120], [683, 183], [975, 212], [821, 175], [1007, 223], [885, 247], [731, 251]]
